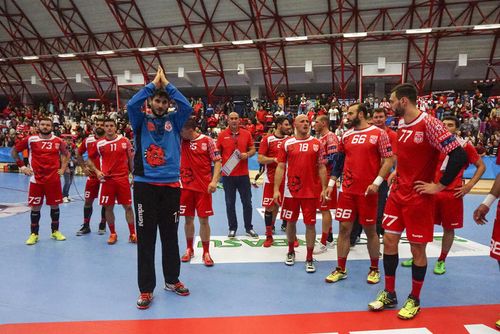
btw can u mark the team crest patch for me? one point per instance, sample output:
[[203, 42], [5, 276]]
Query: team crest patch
[[204, 146], [315, 147], [124, 146], [373, 139], [151, 126], [168, 126], [154, 156], [419, 137], [57, 146]]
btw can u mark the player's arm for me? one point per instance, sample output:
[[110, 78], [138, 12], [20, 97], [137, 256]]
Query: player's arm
[[480, 169], [14, 153], [265, 160], [482, 210], [278, 178], [65, 157], [184, 107], [134, 105], [79, 158], [323, 177], [212, 187], [338, 166], [130, 156], [386, 167]]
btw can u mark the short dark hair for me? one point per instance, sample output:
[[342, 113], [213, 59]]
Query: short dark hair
[[380, 110], [406, 90], [46, 119], [107, 120], [160, 93], [191, 124], [361, 107], [454, 119], [281, 120]]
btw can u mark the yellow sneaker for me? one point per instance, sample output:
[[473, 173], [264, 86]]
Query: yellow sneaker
[[58, 236], [373, 276], [336, 275], [498, 324], [33, 239], [410, 309]]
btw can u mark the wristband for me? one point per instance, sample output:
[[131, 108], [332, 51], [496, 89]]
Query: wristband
[[20, 163], [331, 183], [378, 180], [489, 200]]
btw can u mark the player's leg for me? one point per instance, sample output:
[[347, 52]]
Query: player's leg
[[309, 207], [368, 206], [129, 217], [107, 200], [205, 241], [229, 183], [110, 218], [189, 232], [53, 194], [290, 212], [123, 196], [91, 192], [270, 211], [35, 200]]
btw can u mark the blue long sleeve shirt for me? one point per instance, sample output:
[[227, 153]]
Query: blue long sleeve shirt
[[157, 139]]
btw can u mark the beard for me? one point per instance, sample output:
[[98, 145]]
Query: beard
[[99, 132], [399, 111], [355, 122], [45, 132], [158, 113]]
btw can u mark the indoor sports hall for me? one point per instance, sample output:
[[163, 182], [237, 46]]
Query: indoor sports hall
[[74, 63]]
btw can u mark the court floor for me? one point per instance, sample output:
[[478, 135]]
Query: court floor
[[83, 285]]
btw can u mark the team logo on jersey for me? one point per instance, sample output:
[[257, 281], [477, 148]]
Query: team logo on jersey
[[294, 184], [154, 156], [124, 146], [204, 146], [315, 147], [168, 126], [373, 139], [151, 126], [187, 175], [57, 146], [419, 137]]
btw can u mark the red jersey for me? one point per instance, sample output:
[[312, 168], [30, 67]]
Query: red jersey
[[419, 144], [227, 143], [44, 157], [89, 145], [393, 139], [196, 163], [472, 158], [330, 143], [114, 156], [302, 157], [364, 150], [270, 146]]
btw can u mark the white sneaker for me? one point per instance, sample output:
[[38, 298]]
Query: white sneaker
[[65, 200], [290, 259], [310, 267], [69, 199], [320, 249]]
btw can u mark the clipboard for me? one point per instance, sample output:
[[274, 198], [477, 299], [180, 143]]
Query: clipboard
[[231, 163]]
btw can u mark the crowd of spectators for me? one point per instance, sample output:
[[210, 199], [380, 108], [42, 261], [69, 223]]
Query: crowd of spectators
[[479, 116]]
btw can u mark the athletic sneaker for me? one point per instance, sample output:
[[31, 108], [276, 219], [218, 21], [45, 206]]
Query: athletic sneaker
[[410, 308], [65, 200], [373, 276], [498, 324], [330, 238], [310, 267], [102, 228], [144, 300], [113, 238], [251, 233], [232, 234], [178, 288], [207, 260], [290, 259], [84, 230], [385, 299], [439, 268], [132, 238], [407, 263], [188, 255], [33, 239], [323, 248], [56, 235], [269, 241], [337, 275]]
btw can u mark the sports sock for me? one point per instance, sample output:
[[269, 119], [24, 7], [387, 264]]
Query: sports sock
[[324, 236], [269, 231], [309, 256], [54, 215], [268, 219], [374, 262], [35, 221], [189, 243], [131, 228], [87, 213], [390, 265], [206, 245], [103, 215], [341, 261], [290, 247], [418, 276], [443, 256], [112, 228]]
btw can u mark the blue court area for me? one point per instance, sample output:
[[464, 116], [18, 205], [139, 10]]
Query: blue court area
[[84, 279]]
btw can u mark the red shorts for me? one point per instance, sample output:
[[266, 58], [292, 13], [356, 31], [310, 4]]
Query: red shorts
[[92, 188], [495, 238], [330, 204], [268, 194], [112, 191], [196, 200], [449, 210], [291, 209], [353, 206], [51, 191], [417, 218]]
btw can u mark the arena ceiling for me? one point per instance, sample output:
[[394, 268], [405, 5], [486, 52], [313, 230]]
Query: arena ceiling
[[208, 39]]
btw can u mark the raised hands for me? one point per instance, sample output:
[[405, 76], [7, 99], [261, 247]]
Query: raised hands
[[160, 79]]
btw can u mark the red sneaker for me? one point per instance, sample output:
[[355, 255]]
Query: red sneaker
[[207, 260], [269, 241], [132, 238], [188, 255], [296, 243], [112, 239], [144, 300]]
